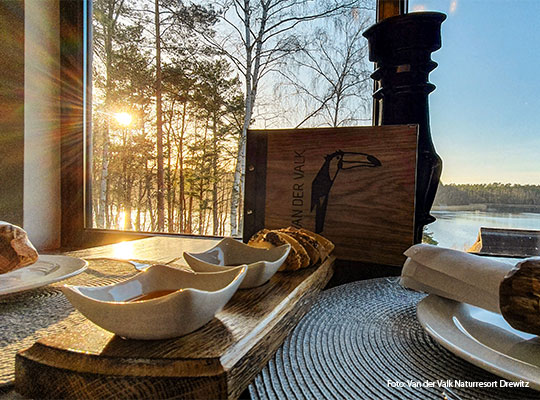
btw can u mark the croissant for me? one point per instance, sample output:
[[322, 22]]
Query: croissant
[[16, 251]]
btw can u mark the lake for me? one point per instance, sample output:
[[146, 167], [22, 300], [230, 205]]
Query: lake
[[459, 229]]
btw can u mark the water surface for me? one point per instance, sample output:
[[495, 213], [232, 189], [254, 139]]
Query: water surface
[[459, 229]]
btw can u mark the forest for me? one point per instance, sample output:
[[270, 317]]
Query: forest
[[176, 85], [496, 194]]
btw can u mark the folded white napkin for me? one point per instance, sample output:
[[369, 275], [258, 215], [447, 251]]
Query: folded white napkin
[[454, 274]]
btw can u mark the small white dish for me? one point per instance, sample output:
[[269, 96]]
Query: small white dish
[[482, 338], [192, 301], [47, 269], [262, 264]]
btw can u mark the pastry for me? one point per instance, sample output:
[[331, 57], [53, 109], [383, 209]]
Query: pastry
[[327, 245], [301, 260], [16, 251], [311, 246], [307, 248]]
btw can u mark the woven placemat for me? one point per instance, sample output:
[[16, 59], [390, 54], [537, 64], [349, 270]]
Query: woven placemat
[[30, 315], [359, 336]]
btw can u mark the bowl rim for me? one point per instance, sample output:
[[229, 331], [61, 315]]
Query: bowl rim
[[284, 248], [242, 270]]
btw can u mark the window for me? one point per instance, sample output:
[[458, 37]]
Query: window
[[484, 119], [169, 115], [473, 117]]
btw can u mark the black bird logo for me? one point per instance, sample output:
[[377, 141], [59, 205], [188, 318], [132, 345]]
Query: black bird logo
[[322, 184]]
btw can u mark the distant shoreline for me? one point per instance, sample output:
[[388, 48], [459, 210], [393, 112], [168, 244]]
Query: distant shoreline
[[512, 208]]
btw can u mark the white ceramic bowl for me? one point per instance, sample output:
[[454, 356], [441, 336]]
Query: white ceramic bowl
[[194, 302], [262, 264]]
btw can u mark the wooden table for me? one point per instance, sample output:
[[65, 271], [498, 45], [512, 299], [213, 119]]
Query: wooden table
[[217, 361]]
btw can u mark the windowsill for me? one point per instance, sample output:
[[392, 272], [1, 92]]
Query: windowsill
[[132, 245]]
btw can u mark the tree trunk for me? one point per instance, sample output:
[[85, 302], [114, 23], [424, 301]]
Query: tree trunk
[[222, 211], [159, 127], [108, 213], [103, 204], [127, 184], [253, 64], [190, 214], [149, 198], [170, 190], [102, 218], [202, 203], [138, 219], [138, 215], [176, 225], [182, 199], [241, 155], [215, 222], [128, 226], [116, 218]]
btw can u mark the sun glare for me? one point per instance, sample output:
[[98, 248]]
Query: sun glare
[[123, 118], [124, 250], [453, 6], [121, 219]]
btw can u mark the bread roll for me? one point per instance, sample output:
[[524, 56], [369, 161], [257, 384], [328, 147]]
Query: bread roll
[[311, 246], [257, 240], [327, 245], [16, 251], [301, 260], [307, 248], [261, 240]]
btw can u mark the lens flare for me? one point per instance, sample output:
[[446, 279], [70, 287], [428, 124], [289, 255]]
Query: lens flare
[[453, 6], [123, 118]]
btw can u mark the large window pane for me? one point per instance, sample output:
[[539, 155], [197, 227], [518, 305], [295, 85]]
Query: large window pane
[[484, 118], [176, 85]]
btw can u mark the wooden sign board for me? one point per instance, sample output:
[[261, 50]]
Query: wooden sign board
[[354, 185]]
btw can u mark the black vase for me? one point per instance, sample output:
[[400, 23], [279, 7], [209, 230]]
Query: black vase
[[401, 47]]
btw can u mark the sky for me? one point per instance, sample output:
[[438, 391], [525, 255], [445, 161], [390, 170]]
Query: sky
[[485, 112]]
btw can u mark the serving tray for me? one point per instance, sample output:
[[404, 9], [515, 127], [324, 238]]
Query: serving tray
[[217, 361]]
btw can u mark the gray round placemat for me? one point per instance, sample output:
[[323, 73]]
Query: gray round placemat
[[359, 336], [28, 316]]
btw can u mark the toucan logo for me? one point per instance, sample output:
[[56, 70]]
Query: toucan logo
[[322, 184]]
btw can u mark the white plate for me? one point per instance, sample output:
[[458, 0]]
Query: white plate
[[47, 269], [482, 338]]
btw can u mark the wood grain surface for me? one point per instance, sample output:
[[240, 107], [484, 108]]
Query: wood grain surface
[[519, 296], [370, 210], [217, 361]]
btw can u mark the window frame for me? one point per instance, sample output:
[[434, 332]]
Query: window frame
[[72, 141], [75, 127]]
